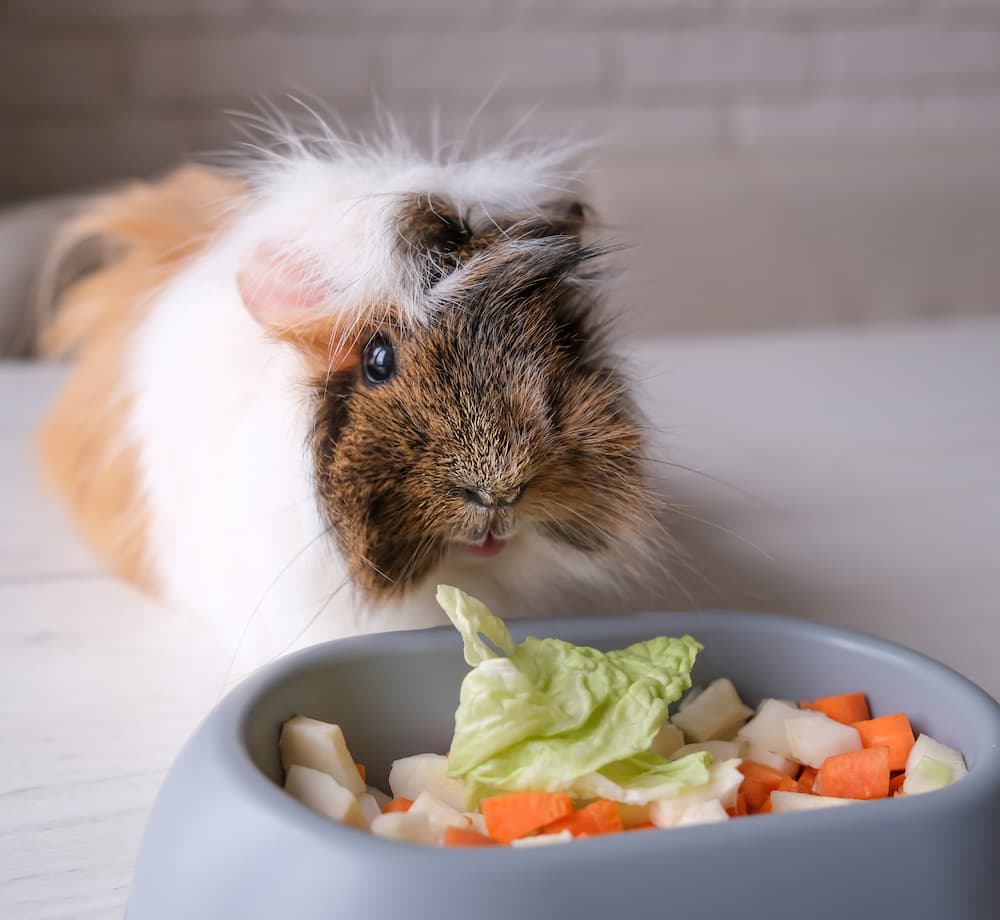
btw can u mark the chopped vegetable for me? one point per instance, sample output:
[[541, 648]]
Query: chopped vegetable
[[767, 728], [542, 839], [667, 741], [555, 742], [402, 825], [817, 737], [893, 732], [856, 775], [545, 713], [320, 745], [847, 708], [931, 765], [399, 804], [600, 817], [466, 837], [321, 792], [783, 802], [410, 776], [715, 713], [723, 785], [517, 814]]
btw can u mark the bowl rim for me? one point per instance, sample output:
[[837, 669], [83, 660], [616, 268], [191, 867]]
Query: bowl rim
[[237, 709]]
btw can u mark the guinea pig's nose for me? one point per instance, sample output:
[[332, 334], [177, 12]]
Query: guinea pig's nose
[[490, 498]]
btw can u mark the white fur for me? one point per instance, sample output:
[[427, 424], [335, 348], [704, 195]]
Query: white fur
[[221, 414]]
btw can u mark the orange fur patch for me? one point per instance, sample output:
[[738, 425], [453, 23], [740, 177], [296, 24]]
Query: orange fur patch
[[86, 453]]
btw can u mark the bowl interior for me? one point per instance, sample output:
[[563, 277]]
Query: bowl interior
[[395, 694]]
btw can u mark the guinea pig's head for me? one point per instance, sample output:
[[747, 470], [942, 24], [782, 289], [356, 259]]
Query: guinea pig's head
[[462, 395]]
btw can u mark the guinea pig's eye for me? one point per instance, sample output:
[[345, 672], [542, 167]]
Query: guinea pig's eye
[[378, 361]]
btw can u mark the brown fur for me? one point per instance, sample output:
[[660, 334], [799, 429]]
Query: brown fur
[[507, 394], [86, 453]]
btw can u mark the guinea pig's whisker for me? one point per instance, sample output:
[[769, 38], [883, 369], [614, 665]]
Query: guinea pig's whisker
[[256, 610], [676, 509]]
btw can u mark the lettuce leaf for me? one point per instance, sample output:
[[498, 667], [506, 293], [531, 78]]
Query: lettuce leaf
[[542, 714]]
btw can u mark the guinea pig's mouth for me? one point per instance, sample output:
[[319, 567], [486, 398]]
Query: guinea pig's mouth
[[490, 547]]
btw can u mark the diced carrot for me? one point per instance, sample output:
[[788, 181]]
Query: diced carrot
[[896, 783], [893, 732], [600, 817], [787, 784], [648, 826], [847, 708], [362, 772], [761, 773], [860, 774], [516, 814], [806, 779], [400, 804], [765, 809], [740, 808], [466, 837], [756, 794]]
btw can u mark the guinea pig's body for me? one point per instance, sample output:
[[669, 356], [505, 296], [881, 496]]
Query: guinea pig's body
[[306, 400]]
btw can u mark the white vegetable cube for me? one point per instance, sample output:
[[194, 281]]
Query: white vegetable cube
[[720, 750], [402, 825], [668, 739], [767, 729], [715, 713], [320, 745], [931, 765], [781, 763], [813, 739], [724, 781], [704, 813], [370, 808], [542, 839], [410, 776], [439, 815], [322, 793], [785, 802]]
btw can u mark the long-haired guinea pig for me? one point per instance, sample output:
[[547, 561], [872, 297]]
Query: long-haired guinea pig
[[311, 395]]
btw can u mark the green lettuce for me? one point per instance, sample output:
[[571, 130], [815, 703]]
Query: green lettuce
[[549, 715]]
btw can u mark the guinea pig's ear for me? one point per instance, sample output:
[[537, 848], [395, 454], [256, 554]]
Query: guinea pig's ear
[[566, 217], [286, 293]]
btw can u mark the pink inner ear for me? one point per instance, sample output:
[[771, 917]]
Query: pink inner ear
[[279, 288]]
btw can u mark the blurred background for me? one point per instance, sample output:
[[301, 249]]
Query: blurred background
[[773, 163]]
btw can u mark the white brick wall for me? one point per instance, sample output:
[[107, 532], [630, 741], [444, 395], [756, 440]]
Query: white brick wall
[[93, 89]]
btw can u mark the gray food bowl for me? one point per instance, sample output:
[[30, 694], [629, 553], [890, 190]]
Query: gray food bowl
[[224, 842]]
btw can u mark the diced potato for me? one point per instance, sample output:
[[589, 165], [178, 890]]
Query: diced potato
[[931, 765], [754, 752], [703, 813], [668, 739], [723, 784], [379, 796], [813, 739], [403, 825], [370, 808], [439, 815], [410, 776], [767, 729], [320, 745], [689, 698], [542, 839], [720, 750], [717, 712], [784, 802], [322, 793]]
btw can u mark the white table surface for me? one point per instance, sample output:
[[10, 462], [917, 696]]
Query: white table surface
[[862, 473]]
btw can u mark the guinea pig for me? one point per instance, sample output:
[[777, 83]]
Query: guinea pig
[[305, 396]]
